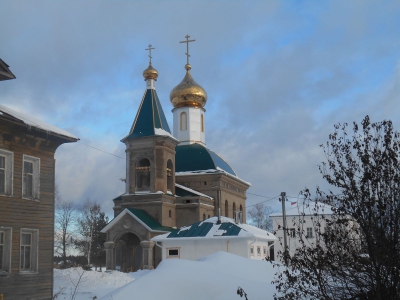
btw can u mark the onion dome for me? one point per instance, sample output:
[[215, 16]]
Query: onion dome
[[150, 73], [188, 93]]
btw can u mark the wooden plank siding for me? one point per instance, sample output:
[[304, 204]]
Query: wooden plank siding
[[17, 213]]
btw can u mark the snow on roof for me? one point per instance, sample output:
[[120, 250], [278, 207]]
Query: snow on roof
[[210, 229], [210, 171], [160, 131], [308, 209], [192, 191], [31, 121]]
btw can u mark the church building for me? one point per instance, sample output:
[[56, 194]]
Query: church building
[[172, 178]]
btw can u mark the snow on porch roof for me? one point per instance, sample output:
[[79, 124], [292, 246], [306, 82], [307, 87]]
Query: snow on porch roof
[[142, 217], [31, 121], [210, 229]]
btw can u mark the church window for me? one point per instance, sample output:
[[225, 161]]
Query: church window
[[226, 208], [241, 208], [205, 182], [202, 123], [208, 216], [204, 217], [252, 250], [170, 179], [258, 251], [183, 121], [173, 252], [170, 213], [234, 209], [143, 175]]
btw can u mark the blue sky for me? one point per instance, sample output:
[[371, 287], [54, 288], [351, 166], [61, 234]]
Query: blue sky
[[279, 75]]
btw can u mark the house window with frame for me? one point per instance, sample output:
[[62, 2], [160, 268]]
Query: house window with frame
[[252, 250], [258, 251], [309, 233], [5, 250], [6, 170], [30, 177], [29, 250], [292, 233], [173, 252]]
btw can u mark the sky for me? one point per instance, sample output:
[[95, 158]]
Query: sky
[[278, 74]]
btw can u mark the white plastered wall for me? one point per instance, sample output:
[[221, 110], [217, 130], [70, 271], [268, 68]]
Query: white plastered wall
[[193, 132]]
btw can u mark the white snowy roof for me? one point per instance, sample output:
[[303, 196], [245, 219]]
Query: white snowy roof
[[31, 121], [210, 229], [192, 191], [210, 171], [308, 209]]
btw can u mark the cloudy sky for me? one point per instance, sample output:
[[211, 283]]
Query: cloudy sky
[[279, 75]]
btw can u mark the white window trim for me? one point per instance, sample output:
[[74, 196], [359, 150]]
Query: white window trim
[[9, 166], [36, 177], [34, 250], [174, 256], [7, 250]]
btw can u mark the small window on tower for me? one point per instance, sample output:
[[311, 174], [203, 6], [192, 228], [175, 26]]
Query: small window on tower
[[183, 121], [202, 123]]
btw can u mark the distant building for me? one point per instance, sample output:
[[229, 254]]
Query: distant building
[[27, 178], [208, 236], [305, 212], [172, 179]]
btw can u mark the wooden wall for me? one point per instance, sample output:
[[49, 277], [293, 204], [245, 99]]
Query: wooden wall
[[18, 213]]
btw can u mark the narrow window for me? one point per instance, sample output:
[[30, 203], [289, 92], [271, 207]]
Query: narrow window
[[26, 240], [170, 182], [226, 208], [234, 210], [209, 216], [251, 250], [309, 233], [143, 175], [265, 251], [6, 169], [204, 217], [202, 123], [292, 233], [5, 250], [183, 121], [30, 184], [170, 213], [258, 251], [28, 250]]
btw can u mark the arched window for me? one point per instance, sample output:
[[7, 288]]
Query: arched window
[[170, 213], [234, 209], [204, 217], [170, 179], [183, 121], [143, 175], [226, 209], [202, 123]]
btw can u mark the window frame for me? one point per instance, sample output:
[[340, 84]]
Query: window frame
[[258, 250], [183, 122], [7, 245], [8, 172], [309, 230], [173, 256], [252, 251], [35, 177], [292, 233], [34, 251]]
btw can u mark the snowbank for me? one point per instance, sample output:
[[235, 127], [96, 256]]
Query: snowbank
[[92, 283], [212, 277]]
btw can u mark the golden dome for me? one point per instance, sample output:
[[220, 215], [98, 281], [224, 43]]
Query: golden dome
[[150, 73], [188, 92]]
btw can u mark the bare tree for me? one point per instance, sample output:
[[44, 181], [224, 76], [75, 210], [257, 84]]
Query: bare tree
[[65, 219], [356, 252], [259, 215]]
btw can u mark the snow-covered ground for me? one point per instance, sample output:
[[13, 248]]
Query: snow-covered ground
[[212, 277]]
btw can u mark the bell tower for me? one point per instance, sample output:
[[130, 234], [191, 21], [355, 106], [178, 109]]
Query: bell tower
[[150, 146]]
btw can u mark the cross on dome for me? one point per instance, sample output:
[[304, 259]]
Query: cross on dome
[[187, 46], [150, 52]]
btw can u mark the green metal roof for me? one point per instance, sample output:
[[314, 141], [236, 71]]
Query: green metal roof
[[201, 229], [149, 116], [149, 221], [196, 157]]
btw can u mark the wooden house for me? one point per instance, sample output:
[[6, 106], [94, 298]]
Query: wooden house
[[27, 180]]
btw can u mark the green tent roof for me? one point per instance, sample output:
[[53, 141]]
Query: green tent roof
[[149, 116], [196, 157], [149, 221], [201, 229]]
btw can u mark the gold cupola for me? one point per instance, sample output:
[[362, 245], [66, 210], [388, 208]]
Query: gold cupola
[[188, 92], [150, 73]]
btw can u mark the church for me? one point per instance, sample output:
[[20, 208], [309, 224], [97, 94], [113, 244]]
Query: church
[[172, 178]]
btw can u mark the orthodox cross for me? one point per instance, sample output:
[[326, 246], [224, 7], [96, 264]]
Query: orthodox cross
[[187, 46], [150, 52]]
